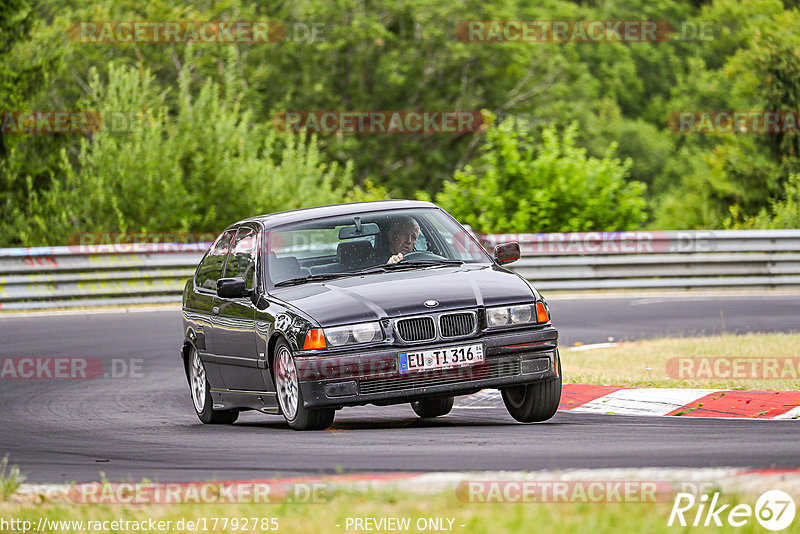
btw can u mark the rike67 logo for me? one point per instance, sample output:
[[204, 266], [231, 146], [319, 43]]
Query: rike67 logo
[[774, 510]]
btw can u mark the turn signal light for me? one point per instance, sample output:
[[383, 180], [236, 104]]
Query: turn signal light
[[541, 313], [315, 339]]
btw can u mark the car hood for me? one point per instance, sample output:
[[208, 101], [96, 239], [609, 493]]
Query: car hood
[[393, 294]]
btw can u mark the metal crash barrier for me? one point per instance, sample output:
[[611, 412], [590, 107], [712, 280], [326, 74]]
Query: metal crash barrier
[[120, 274], [702, 259], [116, 274]]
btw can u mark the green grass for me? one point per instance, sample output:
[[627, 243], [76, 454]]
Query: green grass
[[645, 363], [10, 479], [556, 518]]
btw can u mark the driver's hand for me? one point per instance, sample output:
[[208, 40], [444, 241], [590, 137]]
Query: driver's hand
[[396, 258]]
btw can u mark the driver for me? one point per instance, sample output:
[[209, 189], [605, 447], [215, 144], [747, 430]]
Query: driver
[[402, 237]]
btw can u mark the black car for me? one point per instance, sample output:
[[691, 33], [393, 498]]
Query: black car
[[304, 312]]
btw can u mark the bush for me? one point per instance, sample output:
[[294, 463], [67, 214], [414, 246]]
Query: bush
[[516, 186], [781, 214], [197, 168]]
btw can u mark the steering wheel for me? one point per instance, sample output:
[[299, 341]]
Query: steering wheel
[[420, 255]]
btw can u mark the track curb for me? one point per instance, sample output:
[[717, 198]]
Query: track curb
[[676, 402]]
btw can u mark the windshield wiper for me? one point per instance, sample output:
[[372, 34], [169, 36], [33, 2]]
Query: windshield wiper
[[408, 264], [311, 278]]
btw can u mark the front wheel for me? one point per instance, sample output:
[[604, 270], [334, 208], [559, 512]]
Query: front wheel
[[532, 403], [290, 398], [201, 395], [432, 407]]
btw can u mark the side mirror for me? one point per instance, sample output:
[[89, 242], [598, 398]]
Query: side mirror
[[506, 252], [232, 288]]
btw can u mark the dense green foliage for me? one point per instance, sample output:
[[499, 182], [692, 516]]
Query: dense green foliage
[[202, 150], [201, 168], [552, 187]]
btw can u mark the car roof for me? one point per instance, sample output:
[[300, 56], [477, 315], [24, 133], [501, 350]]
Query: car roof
[[271, 220]]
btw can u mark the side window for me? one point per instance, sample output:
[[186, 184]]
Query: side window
[[210, 270], [242, 261]]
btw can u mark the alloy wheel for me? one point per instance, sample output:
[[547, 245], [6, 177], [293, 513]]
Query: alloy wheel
[[198, 378], [286, 382]]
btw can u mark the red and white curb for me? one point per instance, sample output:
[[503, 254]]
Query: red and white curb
[[583, 398]]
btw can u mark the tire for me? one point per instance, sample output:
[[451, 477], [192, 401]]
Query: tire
[[533, 403], [290, 398], [432, 407], [201, 395]]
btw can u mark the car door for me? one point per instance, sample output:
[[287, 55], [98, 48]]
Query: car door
[[234, 333], [199, 309]]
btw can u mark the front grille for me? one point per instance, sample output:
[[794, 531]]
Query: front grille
[[457, 324], [416, 329], [491, 369]]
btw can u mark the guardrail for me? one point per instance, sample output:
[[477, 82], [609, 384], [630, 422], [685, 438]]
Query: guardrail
[[658, 260], [97, 275], [47, 277]]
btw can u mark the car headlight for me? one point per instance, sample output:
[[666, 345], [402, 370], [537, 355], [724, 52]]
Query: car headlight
[[510, 315], [353, 334]]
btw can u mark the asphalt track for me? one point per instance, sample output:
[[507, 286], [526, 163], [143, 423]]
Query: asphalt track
[[138, 427]]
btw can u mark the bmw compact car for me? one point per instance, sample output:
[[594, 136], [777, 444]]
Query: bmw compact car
[[304, 312]]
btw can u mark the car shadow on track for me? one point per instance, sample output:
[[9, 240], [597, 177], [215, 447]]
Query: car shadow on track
[[372, 423]]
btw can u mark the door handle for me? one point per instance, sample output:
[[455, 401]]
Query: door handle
[[215, 310]]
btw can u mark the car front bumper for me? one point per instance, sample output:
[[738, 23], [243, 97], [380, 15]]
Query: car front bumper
[[371, 376]]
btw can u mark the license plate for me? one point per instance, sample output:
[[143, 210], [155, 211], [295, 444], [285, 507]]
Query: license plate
[[441, 358]]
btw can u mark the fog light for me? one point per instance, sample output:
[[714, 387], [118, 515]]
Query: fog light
[[536, 365], [341, 389]]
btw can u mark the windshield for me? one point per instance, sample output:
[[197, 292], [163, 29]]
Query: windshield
[[368, 242]]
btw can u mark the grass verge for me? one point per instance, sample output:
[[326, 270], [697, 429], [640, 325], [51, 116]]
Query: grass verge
[[332, 517], [648, 363], [10, 479]]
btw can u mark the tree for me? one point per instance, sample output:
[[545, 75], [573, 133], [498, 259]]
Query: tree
[[147, 170], [406, 55], [519, 186]]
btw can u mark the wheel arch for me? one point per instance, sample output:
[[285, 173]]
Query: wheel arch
[[186, 349], [273, 342]]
